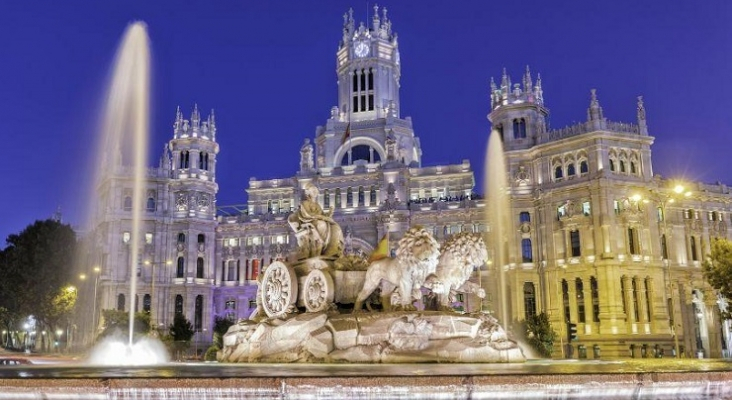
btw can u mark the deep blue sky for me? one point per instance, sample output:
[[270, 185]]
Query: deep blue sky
[[268, 69]]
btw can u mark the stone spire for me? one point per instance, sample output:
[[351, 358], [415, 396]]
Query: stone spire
[[195, 119], [642, 124], [528, 85], [594, 113], [375, 19]]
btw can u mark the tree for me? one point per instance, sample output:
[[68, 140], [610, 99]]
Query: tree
[[539, 334], [119, 321], [717, 269], [221, 326], [34, 268], [179, 335]]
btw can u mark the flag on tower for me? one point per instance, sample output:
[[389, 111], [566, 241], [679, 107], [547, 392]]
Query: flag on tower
[[346, 135], [382, 249]]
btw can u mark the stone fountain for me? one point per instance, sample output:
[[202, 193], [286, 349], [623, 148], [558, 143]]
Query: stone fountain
[[300, 315]]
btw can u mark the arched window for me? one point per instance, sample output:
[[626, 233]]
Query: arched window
[[580, 291], [120, 302], [622, 166], [179, 304], [338, 198], [558, 172], [181, 269], [361, 198], [127, 203], [570, 170], [612, 165], [632, 168], [584, 168], [146, 303], [372, 196], [198, 315], [349, 197], [181, 237], [326, 198], [360, 154], [150, 204], [529, 300], [526, 252], [203, 161], [199, 268]]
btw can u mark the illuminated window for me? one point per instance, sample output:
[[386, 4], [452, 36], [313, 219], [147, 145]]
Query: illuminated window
[[586, 209], [125, 237], [148, 238]]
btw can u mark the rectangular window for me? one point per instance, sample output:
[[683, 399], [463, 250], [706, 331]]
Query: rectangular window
[[586, 208], [633, 246], [148, 238], [363, 102], [574, 239], [659, 214], [526, 251], [579, 288]]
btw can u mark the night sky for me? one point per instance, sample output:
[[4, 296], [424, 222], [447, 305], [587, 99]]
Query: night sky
[[268, 69]]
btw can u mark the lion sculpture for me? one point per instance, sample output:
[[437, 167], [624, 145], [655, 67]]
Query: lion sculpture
[[460, 254], [416, 259]]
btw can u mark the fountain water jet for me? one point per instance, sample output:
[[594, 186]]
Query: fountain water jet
[[496, 187], [125, 136]]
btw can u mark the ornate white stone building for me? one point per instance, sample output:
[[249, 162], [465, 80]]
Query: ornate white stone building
[[598, 240]]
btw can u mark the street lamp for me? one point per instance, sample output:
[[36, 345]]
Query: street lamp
[[152, 288]]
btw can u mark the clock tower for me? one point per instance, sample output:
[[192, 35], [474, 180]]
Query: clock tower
[[365, 128], [368, 69]]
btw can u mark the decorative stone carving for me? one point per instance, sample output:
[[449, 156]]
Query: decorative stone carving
[[319, 290], [279, 289], [316, 232], [460, 254], [395, 337], [416, 258]]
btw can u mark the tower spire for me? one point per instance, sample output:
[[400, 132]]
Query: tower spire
[[594, 113], [641, 110]]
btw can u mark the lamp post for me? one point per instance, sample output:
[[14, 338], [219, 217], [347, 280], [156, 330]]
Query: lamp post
[[152, 290]]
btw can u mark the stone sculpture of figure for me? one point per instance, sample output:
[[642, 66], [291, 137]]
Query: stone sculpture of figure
[[306, 156], [316, 232], [402, 277]]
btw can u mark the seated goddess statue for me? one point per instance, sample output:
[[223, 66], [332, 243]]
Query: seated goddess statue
[[316, 232]]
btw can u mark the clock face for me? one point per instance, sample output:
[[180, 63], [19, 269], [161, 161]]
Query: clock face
[[362, 49]]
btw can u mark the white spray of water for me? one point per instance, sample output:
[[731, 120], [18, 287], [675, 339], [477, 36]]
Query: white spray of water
[[125, 148], [497, 215]]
